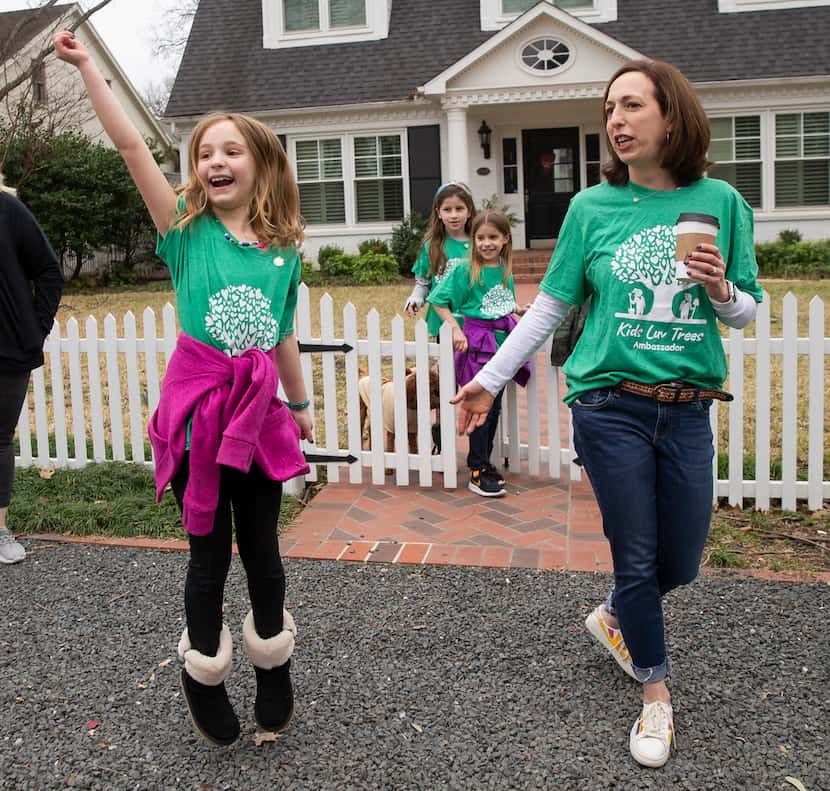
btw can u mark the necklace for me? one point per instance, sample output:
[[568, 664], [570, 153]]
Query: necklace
[[233, 240], [640, 198]]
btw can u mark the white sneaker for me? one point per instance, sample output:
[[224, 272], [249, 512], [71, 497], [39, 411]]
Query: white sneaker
[[652, 736], [611, 639], [10, 550]]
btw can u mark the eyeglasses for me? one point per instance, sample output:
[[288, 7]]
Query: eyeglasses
[[460, 184]]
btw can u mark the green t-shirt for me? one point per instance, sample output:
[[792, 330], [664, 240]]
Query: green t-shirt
[[643, 325], [231, 297], [456, 252], [487, 298]]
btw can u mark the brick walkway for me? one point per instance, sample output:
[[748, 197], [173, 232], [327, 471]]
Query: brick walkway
[[539, 524]]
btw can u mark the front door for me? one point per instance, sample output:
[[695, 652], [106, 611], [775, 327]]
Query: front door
[[551, 173]]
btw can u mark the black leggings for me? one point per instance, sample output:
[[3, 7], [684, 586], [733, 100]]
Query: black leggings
[[255, 501], [13, 387]]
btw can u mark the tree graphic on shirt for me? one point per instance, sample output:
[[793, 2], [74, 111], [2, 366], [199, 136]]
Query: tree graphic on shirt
[[239, 318], [452, 263], [647, 259], [498, 302]]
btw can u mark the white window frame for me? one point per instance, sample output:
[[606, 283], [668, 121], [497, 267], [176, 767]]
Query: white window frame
[[275, 35], [736, 6], [349, 180], [318, 139], [763, 126], [492, 17], [774, 158]]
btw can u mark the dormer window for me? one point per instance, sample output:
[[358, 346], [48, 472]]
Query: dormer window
[[495, 14], [304, 23], [304, 15]]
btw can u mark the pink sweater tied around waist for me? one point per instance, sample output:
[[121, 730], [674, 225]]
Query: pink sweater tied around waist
[[237, 420]]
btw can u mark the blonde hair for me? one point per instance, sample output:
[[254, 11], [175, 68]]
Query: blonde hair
[[500, 222], [437, 233], [4, 188], [274, 210]]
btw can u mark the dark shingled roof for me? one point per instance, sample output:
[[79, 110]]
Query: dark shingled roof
[[225, 66], [19, 27]]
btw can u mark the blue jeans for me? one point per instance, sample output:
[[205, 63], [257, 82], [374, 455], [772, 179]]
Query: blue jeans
[[650, 464]]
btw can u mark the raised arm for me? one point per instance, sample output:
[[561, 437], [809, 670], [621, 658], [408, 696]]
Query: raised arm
[[158, 194]]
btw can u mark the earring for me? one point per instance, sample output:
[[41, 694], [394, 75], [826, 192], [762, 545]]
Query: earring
[[667, 137]]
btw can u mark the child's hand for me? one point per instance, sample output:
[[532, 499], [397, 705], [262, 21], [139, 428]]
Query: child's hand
[[69, 49], [521, 310], [459, 340], [411, 310], [302, 417]]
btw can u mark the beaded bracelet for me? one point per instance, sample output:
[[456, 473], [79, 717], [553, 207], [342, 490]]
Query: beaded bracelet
[[296, 406]]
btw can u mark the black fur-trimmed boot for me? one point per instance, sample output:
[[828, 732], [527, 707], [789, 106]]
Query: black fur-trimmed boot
[[203, 684], [271, 659]]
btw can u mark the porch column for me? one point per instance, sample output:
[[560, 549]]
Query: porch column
[[184, 143], [458, 157]]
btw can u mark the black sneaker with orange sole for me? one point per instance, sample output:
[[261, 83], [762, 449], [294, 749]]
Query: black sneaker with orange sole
[[485, 484]]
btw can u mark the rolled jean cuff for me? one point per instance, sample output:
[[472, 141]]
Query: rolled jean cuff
[[651, 675], [609, 604]]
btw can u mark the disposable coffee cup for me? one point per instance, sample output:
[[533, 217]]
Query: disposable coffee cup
[[691, 230]]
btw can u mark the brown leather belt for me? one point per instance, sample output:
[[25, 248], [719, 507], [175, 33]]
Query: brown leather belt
[[672, 392]]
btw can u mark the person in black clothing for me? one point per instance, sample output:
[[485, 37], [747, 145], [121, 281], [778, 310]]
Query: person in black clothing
[[30, 290]]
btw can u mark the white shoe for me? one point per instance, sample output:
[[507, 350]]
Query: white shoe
[[652, 735], [611, 639], [10, 550]]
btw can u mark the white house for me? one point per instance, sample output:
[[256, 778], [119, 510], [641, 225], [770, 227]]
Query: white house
[[378, 101], [56, 89]]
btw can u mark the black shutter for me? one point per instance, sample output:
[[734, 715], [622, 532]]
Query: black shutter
[[281, 138], [424, 144]]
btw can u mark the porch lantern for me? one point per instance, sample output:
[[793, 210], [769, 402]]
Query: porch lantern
[[484, 133]]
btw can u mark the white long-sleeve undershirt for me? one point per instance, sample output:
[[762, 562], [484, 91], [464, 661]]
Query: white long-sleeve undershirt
[[548, 312]]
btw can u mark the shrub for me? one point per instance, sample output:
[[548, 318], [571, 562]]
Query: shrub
[[325, 253], [783, 258], [374, 269], [373, 246], [407, 239], [789, 236], [308, 275]]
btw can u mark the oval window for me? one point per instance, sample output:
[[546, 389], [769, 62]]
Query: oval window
[[545, 54]]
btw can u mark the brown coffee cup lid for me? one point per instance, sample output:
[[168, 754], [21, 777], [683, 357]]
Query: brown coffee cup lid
[[697, 217]]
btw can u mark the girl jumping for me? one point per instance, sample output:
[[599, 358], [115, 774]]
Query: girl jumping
[[447, 244], [482, 292], [220, 435]]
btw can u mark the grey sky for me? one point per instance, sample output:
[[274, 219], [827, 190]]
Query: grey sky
[[126, 27]]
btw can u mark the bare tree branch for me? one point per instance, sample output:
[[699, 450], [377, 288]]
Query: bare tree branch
[[7, 87]]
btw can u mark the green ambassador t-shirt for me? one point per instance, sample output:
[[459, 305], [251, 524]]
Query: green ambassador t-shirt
[[643, 325], [231, 297], [487, 298], [456, 252]]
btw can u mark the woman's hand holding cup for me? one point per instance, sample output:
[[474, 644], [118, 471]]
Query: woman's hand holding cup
[[705, 266]]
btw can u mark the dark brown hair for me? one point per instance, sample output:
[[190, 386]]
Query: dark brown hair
[[684, 153], [500, 222], [437, 232], [274, 210]]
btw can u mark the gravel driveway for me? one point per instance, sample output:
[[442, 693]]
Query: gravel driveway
[[406, 677]]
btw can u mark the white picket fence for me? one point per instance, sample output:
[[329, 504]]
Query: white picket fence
[[535, 433]]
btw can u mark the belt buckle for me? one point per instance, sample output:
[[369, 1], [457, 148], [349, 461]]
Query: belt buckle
[[667, 391]]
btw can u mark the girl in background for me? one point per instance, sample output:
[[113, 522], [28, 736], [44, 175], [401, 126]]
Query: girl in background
[[447, 244], [482, 292], [220, 435]]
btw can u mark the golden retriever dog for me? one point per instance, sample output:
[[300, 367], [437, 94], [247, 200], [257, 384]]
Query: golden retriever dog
[[387, 390]]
